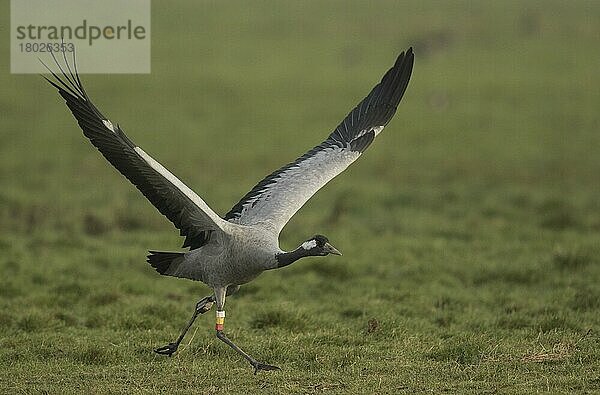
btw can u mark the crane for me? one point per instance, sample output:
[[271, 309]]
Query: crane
[[227, 252]]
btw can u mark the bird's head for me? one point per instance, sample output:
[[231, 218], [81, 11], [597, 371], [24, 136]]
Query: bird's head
[[319, 246]]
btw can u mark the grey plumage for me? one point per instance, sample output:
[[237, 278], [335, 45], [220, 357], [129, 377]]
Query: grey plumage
[[228, 252]]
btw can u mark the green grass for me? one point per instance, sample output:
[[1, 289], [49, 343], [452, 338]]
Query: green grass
[[470, 229]]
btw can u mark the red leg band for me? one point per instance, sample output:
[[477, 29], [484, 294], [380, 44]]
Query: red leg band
[[219, 327]]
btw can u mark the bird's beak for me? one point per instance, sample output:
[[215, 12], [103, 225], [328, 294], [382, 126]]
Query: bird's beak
[[331, 249]]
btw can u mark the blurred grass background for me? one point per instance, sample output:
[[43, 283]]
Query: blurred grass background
[[470, 229]]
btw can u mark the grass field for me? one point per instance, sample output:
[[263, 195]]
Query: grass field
[[470, 229]]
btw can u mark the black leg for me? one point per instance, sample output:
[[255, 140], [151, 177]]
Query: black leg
[[220, 293], [255, 364], [202, 307]]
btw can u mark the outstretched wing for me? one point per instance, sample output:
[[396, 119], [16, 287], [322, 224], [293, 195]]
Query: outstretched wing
[[188, 212], [274, 200]]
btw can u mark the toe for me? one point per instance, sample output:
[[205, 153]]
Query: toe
[[264, 366], [166, 350]]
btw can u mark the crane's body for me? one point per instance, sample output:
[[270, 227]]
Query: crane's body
[[232, 258], [227, 252]]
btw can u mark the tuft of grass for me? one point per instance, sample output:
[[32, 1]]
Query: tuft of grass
[[559, 351], [279, 319], [93, 355], [330, 271], [510, 275], [586, 299], [67, 318], [94, 225], [554, 322], [443, 319], [104, 298], [557, 215], [9, 290], [461, 352], [73, 289], [31, 322], [570, 259], [514, 321], [352, 313], [6, 320]]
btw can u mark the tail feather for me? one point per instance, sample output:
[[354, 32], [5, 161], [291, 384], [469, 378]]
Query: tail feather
[[162, 261]]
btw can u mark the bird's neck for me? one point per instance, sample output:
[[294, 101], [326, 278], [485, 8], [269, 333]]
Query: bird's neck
[[287, 258]]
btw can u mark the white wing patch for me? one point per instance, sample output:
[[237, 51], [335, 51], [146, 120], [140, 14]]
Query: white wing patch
[[109, 125], [309, 245], [376, 129], [182, 187]]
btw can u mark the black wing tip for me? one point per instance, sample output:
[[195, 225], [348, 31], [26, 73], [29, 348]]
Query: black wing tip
[[70, 87], [410, 56], [395, 81], [403, 58], [409, 53], [390, 90], [403, 66], [379, 107]]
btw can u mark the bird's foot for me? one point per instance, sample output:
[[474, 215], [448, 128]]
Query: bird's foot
[[169, 349], [263, 366]]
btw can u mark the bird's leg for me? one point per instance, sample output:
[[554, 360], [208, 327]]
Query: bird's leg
[[202, 307], [255, 364], [220, 322]]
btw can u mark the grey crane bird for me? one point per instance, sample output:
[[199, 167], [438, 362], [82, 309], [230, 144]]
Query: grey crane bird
[[227, 252]]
